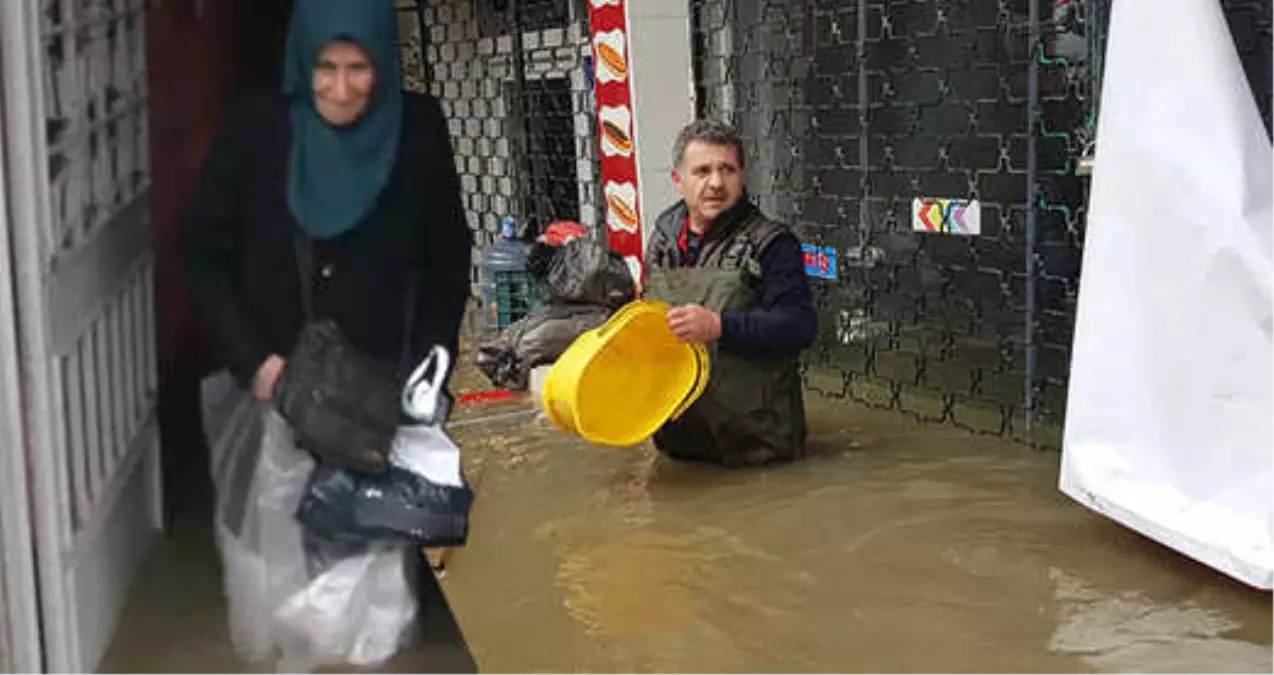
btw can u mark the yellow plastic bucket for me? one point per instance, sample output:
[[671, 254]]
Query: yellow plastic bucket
[[617, 384]]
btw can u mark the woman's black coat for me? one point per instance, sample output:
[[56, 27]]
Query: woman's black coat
[[239, 243]]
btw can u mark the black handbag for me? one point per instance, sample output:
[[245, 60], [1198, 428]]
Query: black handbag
[[343, 405]]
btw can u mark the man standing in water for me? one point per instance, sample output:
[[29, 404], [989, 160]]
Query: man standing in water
[[736, 280]]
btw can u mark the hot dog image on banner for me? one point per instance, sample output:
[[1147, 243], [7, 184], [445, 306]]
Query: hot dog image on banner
[[612, 79], [617, 138], [621, 207], [612, 64]]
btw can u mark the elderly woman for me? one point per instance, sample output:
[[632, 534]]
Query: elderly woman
[[332, 204], [363, 172]]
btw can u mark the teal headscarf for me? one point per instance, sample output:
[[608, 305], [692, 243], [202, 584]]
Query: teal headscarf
[[337, 174]]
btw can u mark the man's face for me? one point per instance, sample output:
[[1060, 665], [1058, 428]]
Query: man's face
[[343, 81], [710, 180]]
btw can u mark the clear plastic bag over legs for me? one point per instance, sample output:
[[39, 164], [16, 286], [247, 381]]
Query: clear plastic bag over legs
[[281, 599], [259, 479], [357, 612]]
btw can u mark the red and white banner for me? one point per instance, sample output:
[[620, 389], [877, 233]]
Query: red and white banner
[[608, 20]]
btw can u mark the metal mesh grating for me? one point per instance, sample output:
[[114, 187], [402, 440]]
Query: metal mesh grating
[[1250, 25], [852, 109], [520, 107]]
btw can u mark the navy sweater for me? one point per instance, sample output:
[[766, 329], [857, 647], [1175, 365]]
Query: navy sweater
[[786, 321]]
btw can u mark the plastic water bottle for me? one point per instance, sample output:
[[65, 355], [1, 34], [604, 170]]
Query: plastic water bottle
[[506, 283]]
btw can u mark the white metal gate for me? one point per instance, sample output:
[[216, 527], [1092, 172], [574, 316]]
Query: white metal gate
[[74, 85]]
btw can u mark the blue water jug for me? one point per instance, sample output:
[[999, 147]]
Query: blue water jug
[[509, 293]]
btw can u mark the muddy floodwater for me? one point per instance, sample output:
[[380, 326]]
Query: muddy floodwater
[[893, 548]]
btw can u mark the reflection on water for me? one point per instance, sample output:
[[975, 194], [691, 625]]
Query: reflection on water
[[893, 548], [1126, 632], [637, 583]]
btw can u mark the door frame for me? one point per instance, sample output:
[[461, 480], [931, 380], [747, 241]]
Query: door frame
[[20, 89], [20, 645]]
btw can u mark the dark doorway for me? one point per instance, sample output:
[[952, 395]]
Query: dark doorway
[[199, 54], [260, 27]]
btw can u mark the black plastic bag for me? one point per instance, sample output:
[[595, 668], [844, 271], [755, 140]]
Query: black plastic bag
[[344, 507], [585, 272], [535, 340], [584, 283]]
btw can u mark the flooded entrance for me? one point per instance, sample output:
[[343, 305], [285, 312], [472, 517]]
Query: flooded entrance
[[894, 548]]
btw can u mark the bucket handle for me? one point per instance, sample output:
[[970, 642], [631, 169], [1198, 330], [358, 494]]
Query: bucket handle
[[621, 315], [701, 381]]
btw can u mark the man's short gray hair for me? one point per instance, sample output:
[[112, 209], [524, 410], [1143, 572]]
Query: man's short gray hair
[[711, 131]]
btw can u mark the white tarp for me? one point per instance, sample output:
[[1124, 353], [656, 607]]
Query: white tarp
[[1168, 427]]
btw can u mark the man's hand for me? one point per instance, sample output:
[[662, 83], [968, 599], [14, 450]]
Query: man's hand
[[267, 378], [693, 323]]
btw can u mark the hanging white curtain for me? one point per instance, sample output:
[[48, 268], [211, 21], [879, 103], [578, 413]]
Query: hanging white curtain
[[1169, 426]]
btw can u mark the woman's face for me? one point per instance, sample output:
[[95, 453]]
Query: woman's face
[[343, 81]]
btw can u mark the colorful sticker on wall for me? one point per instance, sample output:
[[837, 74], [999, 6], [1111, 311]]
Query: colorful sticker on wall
[[820, 261], [608, 20], [946, 216]]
